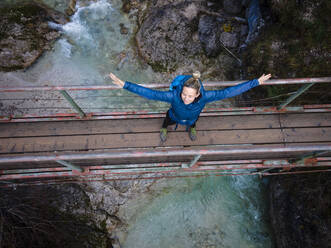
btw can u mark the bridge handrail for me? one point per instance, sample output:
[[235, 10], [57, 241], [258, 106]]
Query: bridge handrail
[[155, 153], [63, 89], [163, 85]]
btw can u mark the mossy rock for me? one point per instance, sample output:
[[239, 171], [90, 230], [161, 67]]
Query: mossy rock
[[296, 45], [24, 33]]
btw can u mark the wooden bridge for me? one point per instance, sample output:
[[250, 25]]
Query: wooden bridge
[[107, 146]]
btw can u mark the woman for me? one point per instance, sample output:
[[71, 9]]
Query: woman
[[187, 98]]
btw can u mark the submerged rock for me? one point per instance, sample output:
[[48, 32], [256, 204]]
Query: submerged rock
[[25, 34], [71, 7]]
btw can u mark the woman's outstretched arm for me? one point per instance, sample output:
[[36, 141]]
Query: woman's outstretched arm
[[165, 96], [264, 78], [215, 95], [116, 80]]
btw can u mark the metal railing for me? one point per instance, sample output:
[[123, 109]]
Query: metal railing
[[153, 153], [64, 89], [310, 161]]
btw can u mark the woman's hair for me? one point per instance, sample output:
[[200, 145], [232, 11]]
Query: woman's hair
[[194, 82]]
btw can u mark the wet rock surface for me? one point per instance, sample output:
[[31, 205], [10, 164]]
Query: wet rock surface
[[25, 35], [300, 210], [168, 37]]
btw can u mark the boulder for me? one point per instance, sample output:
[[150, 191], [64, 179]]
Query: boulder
[[233, 7], [167, 36], [25, 34], [209, 35], [229, 39]]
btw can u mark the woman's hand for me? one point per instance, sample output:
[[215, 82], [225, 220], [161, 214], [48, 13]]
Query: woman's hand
[[264, 78], [116, 80]]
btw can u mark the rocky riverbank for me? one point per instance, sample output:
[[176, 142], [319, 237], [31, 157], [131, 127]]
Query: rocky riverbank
[[25, 34], [300, 210], [33, 216], [171, 36]]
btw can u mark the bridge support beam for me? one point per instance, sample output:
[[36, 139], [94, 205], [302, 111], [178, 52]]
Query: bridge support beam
[[70, 165], [193, 162], [297, 94], [72, 103]]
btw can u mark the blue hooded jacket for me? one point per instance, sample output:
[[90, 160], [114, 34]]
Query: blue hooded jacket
[[188, 114]]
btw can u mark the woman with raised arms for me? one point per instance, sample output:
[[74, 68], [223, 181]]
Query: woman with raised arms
[[187, 98]]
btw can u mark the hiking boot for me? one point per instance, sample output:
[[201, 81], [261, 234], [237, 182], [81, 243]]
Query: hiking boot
[[163, 134], [193, 133]]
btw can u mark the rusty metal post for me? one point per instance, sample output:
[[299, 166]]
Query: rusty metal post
[[73, 103], [294, 96], [70, 165], [193, 162]]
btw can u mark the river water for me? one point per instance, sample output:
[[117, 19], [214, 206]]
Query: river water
[[206, 212], [195, 212]]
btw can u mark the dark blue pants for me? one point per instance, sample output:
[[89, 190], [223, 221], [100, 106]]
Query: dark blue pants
[[168, 122]]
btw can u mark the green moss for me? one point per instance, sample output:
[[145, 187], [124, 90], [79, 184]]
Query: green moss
[[160, 67], [15, 13], [30, 10], [292, 47]]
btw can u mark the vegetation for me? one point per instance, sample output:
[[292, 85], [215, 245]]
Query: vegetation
[[296, 44]]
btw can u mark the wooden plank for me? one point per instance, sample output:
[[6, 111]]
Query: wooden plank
[[238, 122], [307, 134], [132, 126], [306, 120], [78, 127], [111, 141]]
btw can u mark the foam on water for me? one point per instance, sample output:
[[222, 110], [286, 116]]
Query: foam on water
[[209, 212], [79, 29], [66, 47]]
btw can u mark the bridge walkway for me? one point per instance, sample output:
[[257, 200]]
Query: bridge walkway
[[107, 147]]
